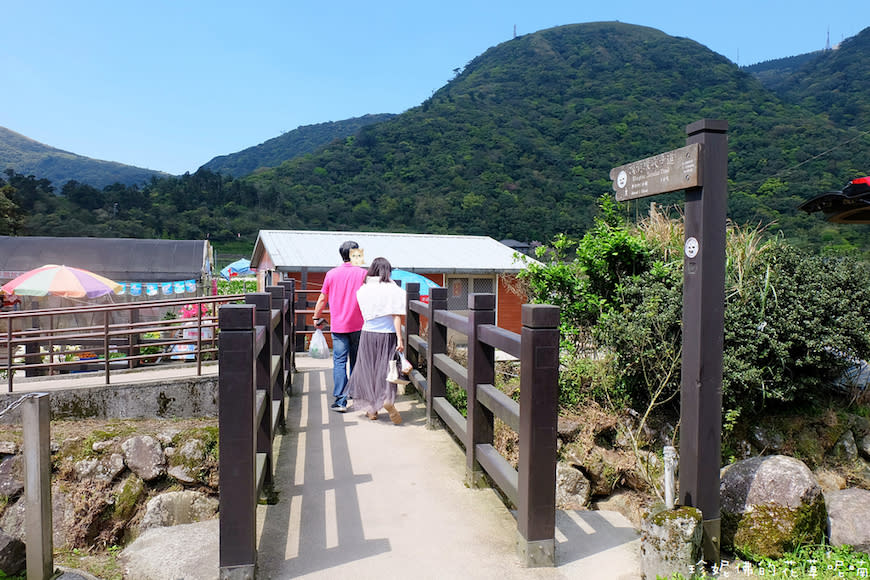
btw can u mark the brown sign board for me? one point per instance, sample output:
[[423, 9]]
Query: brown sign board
[[671, 171]]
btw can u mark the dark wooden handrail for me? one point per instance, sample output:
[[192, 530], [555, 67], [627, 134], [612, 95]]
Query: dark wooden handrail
[[532, 486], [255, 366], [112, 331]]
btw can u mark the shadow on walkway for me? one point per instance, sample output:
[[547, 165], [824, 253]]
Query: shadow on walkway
[[368, 499]]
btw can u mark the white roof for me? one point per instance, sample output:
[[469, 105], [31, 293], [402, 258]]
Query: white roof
[[292, 250]]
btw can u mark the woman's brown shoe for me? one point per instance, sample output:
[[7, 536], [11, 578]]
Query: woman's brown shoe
[[372, 416], [395, 417]]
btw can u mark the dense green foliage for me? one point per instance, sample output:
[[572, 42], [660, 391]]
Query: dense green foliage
[[518, 145], [300, 141], [793, 321]]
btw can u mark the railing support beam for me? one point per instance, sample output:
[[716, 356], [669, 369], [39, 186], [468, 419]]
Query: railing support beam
[[237, 452], [481, 371], [35, 417], [539, 409]]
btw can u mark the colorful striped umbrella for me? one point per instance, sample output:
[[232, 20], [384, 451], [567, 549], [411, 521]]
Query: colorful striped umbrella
[[61, 281]]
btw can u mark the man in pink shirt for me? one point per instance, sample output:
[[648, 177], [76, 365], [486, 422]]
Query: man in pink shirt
[[339, 290]]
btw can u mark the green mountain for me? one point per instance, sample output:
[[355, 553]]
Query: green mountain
[[24, 155], [300, 141], [835, 83], [520, 144], [773, 73]]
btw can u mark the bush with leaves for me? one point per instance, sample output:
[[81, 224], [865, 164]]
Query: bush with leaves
[[795, 323], [582, 284]]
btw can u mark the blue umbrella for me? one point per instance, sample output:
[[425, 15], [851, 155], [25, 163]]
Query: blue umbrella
[[240, 267], [404, 277]]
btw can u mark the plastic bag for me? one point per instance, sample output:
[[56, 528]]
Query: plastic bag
[[318, 348], [395, 369]]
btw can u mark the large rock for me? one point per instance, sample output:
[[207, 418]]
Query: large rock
[[670, 542], [63, 517], [572, 488], [846, 448], [770, 505], [187, 461], [188, 551], [12, 476], [178, 507], [102, 468], [12, 555], [144, 456], [848, 514]]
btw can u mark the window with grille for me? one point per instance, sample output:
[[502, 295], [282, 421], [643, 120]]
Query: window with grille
[[459, 287]]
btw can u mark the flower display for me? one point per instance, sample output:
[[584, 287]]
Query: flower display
[[189, 310]]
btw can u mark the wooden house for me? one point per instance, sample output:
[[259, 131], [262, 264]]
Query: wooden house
[[462, 264]]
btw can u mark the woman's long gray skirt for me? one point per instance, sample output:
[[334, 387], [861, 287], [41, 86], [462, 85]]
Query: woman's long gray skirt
[[368, 384]]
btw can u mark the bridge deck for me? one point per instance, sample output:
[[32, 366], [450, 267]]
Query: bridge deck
[[368, 499]]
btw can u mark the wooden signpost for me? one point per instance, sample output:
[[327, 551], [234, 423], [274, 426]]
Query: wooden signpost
[[701, 168]]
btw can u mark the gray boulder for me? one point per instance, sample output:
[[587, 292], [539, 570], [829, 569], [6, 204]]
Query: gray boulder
[[144, 456], [670, 542], [12, 476], [572, 488], [178, 507], [770, 505], [12, 555], [187, 461], [846, 448], [864, 447], [102, 469], [848, 514], [163, 553], [9, 448]]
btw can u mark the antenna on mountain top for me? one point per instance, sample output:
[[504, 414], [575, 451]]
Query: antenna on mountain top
[[515, 30], [828, 40]]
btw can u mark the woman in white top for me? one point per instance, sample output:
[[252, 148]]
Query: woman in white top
[[382, 303]]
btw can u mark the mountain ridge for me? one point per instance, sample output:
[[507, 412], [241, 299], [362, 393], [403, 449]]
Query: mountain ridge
[[26, 155], [519, 145]]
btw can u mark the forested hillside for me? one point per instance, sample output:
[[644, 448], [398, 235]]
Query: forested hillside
[[521, 142], [24, 155], [773, 73], [835, 84], [518, 145], [302, 140]]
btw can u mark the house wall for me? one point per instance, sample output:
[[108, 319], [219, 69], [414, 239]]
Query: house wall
[[508, 308]]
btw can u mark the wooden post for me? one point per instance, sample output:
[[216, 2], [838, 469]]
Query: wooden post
[[437, 345], [703, 331], [263, 303], [481, 370], [236, 417], [301, 304], [35, 417], [412, 321], [539, 409], [133, 340], [278, 354], [290, 327]]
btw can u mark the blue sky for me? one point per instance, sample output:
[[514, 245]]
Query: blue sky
[[169, 85]]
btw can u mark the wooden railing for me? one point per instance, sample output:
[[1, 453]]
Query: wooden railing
[[531, 487], [107, 337], [256, 358]]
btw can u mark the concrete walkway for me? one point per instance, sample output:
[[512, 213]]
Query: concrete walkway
[[367, 499]]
